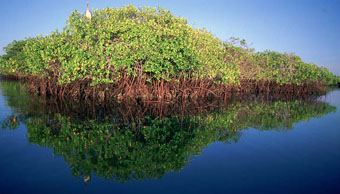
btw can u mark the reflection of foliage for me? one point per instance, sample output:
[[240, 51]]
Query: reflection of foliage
[[11, 123], [19, 102], [18, 99], [152, 147], [146, 147], [275, 115], [110, 149]]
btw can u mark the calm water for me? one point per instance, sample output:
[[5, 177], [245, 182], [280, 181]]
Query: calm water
[[242, 147]]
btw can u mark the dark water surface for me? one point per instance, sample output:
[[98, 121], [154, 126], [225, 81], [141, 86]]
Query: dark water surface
[[243, 147]]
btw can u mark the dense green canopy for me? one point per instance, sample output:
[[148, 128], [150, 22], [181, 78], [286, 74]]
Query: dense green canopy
[[151, 44]]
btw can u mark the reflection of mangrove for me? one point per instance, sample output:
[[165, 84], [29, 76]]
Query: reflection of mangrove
[[129, 142], [124, 152], [19, 101], [152, 147]]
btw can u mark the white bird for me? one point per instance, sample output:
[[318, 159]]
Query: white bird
[[88, 13]]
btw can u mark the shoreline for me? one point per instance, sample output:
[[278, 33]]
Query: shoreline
[[140, 90]]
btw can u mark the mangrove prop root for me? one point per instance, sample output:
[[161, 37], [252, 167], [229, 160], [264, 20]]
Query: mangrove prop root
[[139, 89]]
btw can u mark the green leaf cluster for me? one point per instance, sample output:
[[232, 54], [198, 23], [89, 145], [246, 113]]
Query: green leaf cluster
[[147, 43], [284, 68], [14, 59]]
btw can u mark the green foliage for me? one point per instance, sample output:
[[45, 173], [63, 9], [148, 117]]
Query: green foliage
[[289, 69], [14, 50], [14, 59], [149, 43], [240, 54], [145, 42]]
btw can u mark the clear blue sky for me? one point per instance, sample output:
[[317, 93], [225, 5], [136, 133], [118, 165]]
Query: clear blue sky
[[309, 28]]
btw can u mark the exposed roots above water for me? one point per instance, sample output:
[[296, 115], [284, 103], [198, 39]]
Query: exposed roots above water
[[140, 90]]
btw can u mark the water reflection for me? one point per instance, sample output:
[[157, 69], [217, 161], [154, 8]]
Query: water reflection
[[144, 141]]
